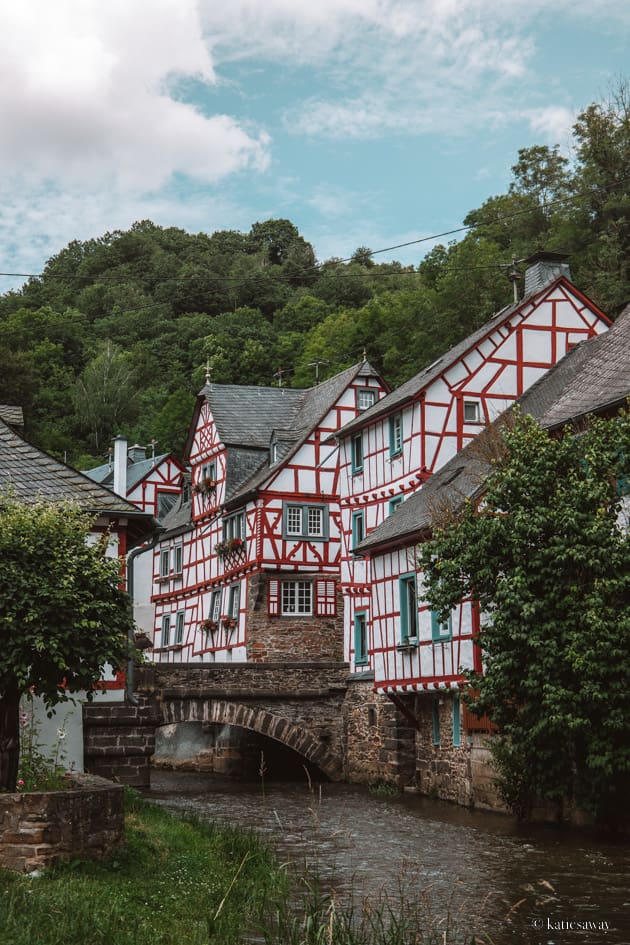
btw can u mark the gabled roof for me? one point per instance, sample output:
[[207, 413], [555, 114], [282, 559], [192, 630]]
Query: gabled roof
[[242, 414], [314, 404], [136, 471], [413, 387], [31, 474], [593, 377]]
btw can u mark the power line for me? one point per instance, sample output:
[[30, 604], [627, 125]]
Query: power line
[[387, 249]]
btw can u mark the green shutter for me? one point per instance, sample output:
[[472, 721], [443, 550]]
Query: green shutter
[[457, 725]]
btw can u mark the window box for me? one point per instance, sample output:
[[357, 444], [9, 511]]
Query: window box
[[229, 623], [209, 626], [230, 546], [205, 487]]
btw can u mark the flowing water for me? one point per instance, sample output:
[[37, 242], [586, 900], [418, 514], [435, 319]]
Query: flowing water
[[516, 884]]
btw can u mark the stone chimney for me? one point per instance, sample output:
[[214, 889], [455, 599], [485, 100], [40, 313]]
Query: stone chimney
[[543, 268], [120, 466]]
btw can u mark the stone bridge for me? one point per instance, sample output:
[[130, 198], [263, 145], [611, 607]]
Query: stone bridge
[[297, 704]]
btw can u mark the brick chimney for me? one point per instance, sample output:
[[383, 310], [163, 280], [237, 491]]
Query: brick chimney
[[120, 466], [542, 268]]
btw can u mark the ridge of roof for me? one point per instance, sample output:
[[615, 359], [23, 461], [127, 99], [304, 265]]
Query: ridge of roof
[[577, 385], [409, 389], [33, 474], [317, 401]]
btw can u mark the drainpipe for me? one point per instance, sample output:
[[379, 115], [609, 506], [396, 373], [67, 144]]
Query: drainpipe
[[131, 558]]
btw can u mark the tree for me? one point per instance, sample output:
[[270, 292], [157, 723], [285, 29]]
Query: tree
[[547, 557], [105, 393], [63, 614]]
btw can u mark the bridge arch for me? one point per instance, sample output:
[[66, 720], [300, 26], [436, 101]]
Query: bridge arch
[[260, 720]]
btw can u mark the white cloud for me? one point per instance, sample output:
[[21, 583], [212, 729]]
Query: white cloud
[[553, 122], [84, 96]]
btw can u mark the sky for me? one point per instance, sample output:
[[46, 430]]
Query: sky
[[364, 122]]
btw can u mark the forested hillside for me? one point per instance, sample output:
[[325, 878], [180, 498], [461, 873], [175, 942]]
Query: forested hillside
[[115, 334]]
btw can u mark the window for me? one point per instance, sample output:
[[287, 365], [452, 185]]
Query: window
[[408, 609], [166, 630], [366, 397], [178, 559], [165, 562], [357, 453], [209, 471], [297, 597], [305, 521], [472, 411], [435, 719], [234, 601], [234, 526], [215, 606], [358, 528], [457, 725], [325, 597], [394, 503], [180, 619], [395, 435], [441, 629], [360, 639]]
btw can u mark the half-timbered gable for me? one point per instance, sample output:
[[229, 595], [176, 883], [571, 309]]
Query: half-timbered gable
[[412, 651], [152, 483], [388, 452], [260, 530]]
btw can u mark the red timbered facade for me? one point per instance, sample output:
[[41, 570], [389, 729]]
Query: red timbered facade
[[387, 454], [248, 568]]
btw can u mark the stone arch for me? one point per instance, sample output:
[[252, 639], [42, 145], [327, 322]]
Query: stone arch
[[256, 719]]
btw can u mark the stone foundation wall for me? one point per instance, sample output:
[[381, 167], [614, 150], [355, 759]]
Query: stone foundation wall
[[442, 770], [40, 829], [379, 740], [119, 740], [289, 638]]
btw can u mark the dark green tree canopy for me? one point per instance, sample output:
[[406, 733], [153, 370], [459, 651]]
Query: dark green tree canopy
[[63, 614], [547, 556]]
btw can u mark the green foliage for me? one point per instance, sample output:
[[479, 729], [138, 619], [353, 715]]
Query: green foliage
[[41, 767], [63, 614], [547, 556], [155, 294]]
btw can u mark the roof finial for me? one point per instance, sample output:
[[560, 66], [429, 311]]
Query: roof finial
[[364, 355], [208, 371]]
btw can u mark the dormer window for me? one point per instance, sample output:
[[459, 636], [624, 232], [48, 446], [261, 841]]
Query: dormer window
[[274, 452], [366, 398]]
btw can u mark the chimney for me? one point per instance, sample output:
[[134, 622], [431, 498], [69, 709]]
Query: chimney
[[137, 453], [543, 268], [120, 466]]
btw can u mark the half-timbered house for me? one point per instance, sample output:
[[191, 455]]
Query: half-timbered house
[[416, 659], [248, 568], [388, 452]]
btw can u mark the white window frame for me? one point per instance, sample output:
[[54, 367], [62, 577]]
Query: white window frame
[[165, 562], [296, 598], [365, 393], [165, 639], [178, 558], [471, 407], [180, 623]]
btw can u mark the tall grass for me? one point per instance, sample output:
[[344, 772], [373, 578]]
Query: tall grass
[[188, 882]]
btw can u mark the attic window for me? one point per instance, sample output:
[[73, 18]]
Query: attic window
[[274, 452], [472, 411], [366, 398]]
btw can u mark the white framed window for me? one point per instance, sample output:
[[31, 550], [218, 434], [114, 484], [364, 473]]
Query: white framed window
[[234, 526], [472, 411], [366, 398], [234, 601], [215, 606], [180, 620], [305, 521], [296, 598], [178, 559], [166, 630], [395, 435]]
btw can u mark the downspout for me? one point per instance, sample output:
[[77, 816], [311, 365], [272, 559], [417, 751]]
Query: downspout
[[131, 557]]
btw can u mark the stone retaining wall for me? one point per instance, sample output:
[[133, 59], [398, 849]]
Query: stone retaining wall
[[119, 740], [40, 829]]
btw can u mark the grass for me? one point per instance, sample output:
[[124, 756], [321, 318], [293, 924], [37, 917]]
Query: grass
[[187, 881]]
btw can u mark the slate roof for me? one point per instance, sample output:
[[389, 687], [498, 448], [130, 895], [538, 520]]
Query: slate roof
[[411, 388], [244, 415], [12, 415], [136, 471], [32, 474], [593, 376], [314, 404]]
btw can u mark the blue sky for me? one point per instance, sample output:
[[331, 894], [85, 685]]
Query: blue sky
[[365, 122]]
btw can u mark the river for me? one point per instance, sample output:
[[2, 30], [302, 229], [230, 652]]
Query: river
[[516, 884]]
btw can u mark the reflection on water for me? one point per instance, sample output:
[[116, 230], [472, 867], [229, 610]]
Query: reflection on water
[[522, 882]]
